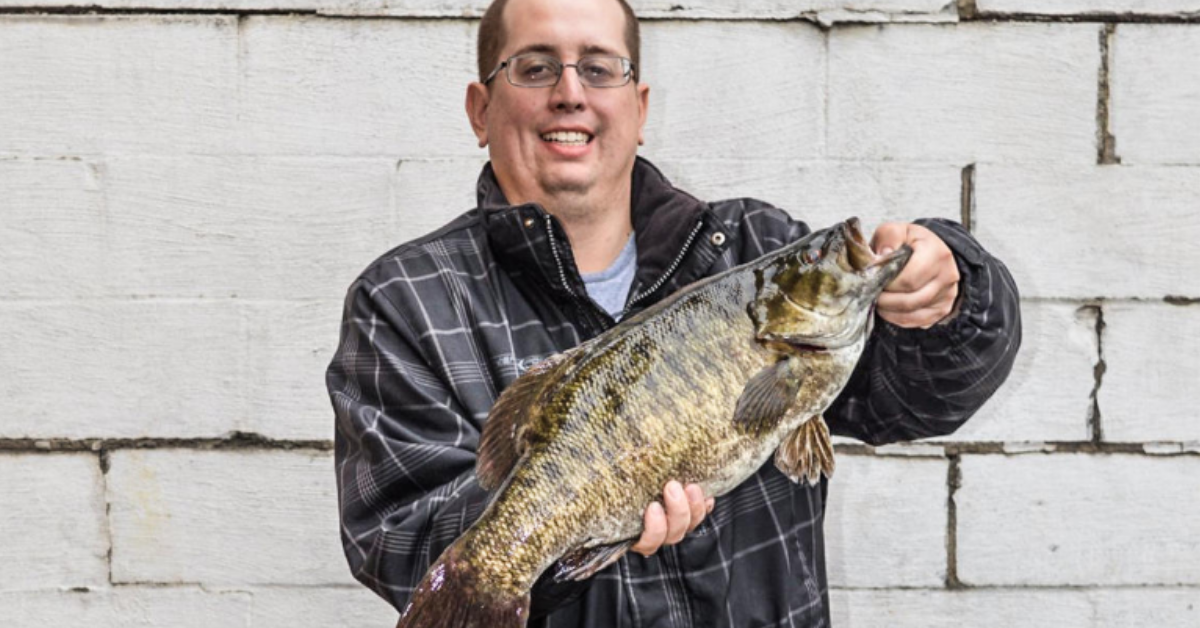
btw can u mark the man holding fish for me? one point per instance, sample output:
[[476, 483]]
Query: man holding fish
[[573, 232]]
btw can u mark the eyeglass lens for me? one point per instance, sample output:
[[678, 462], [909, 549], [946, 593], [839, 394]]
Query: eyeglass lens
[[538, 70]]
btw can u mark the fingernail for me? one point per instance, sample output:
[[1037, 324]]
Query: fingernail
[[886, 250], [674, 490]]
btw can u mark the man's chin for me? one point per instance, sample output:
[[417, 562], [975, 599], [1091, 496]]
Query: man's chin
[[567, 186]]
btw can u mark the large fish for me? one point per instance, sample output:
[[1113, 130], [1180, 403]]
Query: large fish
[[702, 387]]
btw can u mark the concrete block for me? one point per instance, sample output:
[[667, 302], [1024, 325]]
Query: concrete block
[[225, 518], [985, 92], [1152, 355], [1155, 92], [1169, 608], [282, 228], [192, 607], [128, 607], [1086, 232], [52, 522], [357, 87], [290, 344], [998, 608], [1078, 520], [123, 369], [53, 232], [88, 84], [886, 522], [752, 91], [1032, 608], [432, 192], [1048, 394], [822, 193], [1118, 8], [349, 607]]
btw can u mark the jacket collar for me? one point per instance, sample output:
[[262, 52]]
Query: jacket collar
[[673, 231]]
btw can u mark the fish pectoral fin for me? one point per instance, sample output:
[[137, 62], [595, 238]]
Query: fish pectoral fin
[[585, 562], [807, 453], [767, 396], [505, 438]]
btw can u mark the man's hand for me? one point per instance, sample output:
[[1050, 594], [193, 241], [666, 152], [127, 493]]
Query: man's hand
[[925, 291], [684, 510]]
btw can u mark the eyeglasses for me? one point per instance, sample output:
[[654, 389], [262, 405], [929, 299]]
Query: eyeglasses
[[538, 70]]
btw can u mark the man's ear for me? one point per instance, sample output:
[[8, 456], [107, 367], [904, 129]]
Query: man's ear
[[477, 109], [643, 96]]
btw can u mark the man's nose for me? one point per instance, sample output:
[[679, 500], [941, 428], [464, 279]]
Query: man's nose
[[569, 94]]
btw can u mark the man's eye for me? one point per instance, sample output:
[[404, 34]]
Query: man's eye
[[536, 71], [597, 70]]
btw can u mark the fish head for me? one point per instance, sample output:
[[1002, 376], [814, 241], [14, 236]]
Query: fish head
[[820, 293]]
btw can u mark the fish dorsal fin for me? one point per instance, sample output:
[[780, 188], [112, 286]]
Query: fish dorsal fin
[[504, 438], [767, 396], [807, 453], [586, 561]]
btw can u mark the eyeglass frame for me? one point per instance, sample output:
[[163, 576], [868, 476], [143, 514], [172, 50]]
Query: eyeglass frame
[[630, 70]]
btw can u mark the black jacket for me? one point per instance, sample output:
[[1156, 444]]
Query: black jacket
[[437, 327]]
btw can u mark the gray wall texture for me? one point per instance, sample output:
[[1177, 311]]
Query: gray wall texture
[[187, 188]]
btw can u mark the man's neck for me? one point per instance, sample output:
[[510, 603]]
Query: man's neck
[[597, 233]]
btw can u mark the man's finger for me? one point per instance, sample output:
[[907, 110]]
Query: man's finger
[[889, 235], [921, 319], [679, 513], [654, 524], [695, 496], [931, 261], [932, 295]]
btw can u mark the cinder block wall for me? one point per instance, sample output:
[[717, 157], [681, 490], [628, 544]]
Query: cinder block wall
[[188, 186]]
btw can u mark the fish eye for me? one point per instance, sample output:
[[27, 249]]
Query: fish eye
[[811, 256]]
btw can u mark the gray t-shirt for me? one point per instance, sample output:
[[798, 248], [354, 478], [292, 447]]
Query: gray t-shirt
[[610, 287]]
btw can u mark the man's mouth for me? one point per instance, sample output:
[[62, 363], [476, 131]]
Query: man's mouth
[[567, 138]]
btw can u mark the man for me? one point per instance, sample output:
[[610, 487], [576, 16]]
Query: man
[[568, 218]]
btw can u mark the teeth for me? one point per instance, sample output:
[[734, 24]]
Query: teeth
[[567, 137]]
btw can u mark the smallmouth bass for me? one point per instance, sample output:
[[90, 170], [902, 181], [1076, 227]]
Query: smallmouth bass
[[701, 387]]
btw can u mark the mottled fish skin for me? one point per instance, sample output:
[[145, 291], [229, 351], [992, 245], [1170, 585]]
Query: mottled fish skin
[[650, 401]]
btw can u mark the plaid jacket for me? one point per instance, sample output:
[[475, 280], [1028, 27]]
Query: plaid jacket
[[436, 328]]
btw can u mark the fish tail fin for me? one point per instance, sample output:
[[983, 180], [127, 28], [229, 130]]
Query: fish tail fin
[[453, 595], [807, 453]]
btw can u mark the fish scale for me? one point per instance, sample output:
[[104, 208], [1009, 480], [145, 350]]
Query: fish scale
[[701, 387]]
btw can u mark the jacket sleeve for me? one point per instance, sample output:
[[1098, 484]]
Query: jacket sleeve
[[404, 450], [918, 383]]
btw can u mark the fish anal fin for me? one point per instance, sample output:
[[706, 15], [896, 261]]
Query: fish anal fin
[[585, 562], [807, 453], [767, 397], [504, 439]]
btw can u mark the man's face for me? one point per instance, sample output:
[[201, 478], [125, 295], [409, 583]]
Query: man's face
[[531, 133]]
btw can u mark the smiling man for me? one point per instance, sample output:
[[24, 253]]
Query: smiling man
[[573, 231]]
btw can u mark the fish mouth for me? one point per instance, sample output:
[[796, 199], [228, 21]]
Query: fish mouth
[[861, 258], [858, 250]]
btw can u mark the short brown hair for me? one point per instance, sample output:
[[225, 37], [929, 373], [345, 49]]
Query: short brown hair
[[491, 38]]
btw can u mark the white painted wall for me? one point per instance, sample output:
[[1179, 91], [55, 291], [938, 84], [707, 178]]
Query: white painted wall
[[187, 187]]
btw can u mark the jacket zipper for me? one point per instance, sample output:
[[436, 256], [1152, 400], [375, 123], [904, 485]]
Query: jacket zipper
[[687, 245], [562, 273], [600, 323]]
